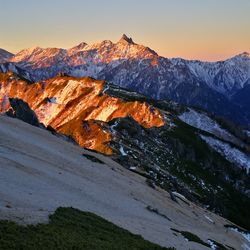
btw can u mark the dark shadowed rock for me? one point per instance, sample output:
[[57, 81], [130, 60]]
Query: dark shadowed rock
[[22, 111]]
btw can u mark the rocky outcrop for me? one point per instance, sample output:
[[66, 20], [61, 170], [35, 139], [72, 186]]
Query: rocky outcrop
[[21, 110], [73, 105]]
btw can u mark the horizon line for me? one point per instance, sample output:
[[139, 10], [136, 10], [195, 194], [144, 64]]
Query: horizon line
[[124, 35]]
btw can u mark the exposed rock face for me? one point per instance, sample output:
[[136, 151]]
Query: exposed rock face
[[5, 55], [22, 111], [66, 103]]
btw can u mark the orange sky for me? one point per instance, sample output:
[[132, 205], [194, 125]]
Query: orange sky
[[193, 29]]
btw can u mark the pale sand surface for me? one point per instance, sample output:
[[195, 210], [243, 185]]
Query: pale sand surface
[[40, 172]]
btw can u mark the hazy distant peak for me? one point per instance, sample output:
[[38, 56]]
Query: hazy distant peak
[[77, 48], [126, 39], [243, 55]]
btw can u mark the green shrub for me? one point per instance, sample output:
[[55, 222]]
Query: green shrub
[[70, 228]]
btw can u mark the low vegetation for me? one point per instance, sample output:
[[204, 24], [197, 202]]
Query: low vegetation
[[70, 228], [207, 173]]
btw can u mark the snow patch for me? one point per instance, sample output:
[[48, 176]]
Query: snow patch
[[230, 153], [247, 132], [105, 89], [212, 244], [182, 197], [113, 126], [209, 219], [203, 122], [122, 151], [132, 168], [53, 100], [245, 235]]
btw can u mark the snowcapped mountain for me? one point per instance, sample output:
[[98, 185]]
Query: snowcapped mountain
[[224, 76], [21, 73], [40, 58], [5, 55], [83, 54], [208, 85]]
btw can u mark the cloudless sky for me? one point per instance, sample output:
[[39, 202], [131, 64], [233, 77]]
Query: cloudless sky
[[193, 29]]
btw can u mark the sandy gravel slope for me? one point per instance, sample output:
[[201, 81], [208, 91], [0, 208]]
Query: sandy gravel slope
[[40, 172]]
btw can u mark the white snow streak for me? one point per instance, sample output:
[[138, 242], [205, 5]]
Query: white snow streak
[[203, 122], [230, 153]]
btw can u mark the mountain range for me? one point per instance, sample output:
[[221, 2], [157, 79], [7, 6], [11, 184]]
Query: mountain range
[[221, 88], [176, 148]]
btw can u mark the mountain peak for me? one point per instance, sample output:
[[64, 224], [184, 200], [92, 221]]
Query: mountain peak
[[126, 39], [32, 49], [29, 51], [244, 55], [77, 48], [81, 45]]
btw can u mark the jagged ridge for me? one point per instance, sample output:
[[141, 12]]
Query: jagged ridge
[[76, 107], [201, 84]]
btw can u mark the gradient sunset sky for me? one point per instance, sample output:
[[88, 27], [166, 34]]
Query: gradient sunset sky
[[193, 29]]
